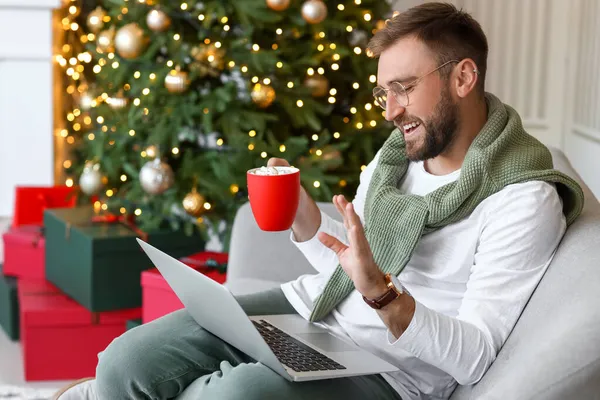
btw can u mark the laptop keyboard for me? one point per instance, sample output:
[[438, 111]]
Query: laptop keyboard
[[292, 352]]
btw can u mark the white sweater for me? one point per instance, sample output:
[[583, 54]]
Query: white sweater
[[470, 280]]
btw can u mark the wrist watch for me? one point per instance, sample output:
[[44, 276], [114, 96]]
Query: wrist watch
[[395, 289]]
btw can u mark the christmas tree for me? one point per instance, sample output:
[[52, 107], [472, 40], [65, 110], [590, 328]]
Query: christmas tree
[[177, 100]]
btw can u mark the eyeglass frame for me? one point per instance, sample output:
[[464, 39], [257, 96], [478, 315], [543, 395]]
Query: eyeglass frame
[[409, 86]]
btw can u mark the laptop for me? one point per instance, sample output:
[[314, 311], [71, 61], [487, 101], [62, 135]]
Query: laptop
[[288, 344]]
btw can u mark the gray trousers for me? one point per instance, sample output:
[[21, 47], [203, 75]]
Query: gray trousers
[[174, 356]]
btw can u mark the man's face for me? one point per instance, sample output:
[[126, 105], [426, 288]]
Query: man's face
[[430, 107]]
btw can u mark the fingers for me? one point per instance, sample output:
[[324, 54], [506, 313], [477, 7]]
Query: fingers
[[352, 216], [340, 204], [356, 233], [340, 210], [358, 241], [332, 242], [277, 162]]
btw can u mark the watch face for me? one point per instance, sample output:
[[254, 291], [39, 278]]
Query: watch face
[[399, 287]]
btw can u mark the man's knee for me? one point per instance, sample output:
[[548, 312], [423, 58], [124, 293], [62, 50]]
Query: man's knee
[[118, 366], [130, 364], [254, 381]]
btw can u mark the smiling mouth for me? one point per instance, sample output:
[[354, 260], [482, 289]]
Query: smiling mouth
[[410, 128]]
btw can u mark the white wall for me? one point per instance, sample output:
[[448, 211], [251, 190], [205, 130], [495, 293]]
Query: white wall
[[544, 61], [26, 125], [582, 133]]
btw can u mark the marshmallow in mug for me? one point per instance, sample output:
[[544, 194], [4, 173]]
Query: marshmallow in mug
[[270, 171]]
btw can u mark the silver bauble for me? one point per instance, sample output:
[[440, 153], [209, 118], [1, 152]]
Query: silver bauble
[[314, 11], [90, 180], [156, 177], [158, 20]]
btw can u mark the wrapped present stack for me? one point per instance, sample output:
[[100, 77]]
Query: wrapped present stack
[[72, 282], [24, 246]]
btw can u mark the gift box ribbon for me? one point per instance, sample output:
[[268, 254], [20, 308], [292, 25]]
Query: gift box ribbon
[[44, 201], [109, 218], [38, 233], [126, 220], [210, 263]]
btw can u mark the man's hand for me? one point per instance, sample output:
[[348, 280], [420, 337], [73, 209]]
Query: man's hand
[[356, 259], [277, 162], [308, 216]]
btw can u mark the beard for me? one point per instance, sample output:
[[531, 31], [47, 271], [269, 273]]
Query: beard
[[439, 130]]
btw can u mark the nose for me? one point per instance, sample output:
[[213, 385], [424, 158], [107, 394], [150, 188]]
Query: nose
[[393, 109]]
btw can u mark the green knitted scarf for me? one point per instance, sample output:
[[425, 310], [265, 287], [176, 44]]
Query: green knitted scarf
[[501, 154]]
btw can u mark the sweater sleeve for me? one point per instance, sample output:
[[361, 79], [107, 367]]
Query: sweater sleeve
[[320, 256], [517, 243]]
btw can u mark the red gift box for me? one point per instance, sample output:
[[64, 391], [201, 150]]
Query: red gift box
[[31, 201], [24, 252], [61, 339], [158, 299]]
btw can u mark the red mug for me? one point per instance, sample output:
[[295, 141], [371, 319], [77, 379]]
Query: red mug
[[274, 198]]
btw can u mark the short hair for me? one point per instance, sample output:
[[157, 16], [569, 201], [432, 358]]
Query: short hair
[[451, 34]]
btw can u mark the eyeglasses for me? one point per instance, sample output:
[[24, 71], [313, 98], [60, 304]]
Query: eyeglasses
[[400, 91]]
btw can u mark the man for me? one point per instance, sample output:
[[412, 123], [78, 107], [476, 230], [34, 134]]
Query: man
[[463, 216]]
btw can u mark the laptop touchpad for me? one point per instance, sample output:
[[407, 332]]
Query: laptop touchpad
[[325, 341]]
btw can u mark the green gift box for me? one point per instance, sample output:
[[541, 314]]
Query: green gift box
[[9, 306], [98, 264]]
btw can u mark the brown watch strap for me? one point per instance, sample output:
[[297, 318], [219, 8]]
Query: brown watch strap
[[384, 299]]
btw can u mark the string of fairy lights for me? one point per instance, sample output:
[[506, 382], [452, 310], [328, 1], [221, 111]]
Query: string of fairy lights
[[76, 62]]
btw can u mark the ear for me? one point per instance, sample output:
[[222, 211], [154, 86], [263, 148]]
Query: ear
[[467, 77]]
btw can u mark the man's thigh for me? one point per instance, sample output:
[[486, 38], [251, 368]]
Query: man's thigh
[[254, 381]]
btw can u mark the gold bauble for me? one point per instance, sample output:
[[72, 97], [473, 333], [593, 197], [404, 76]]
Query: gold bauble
[[314, 11], [318, 84], [278, 5], [130, 41], [95, 20], [177, 81], [263, 95], [209, 60], [151, 151], [106, 39], [158, 20], [193, 203]]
